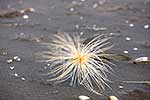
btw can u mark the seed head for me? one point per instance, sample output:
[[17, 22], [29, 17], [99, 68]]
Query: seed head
[[80, 62]]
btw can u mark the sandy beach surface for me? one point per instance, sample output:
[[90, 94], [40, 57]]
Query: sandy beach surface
[[127, 21]]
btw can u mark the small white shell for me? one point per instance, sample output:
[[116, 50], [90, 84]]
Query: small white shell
[[128, 38], [125, 51], [16, 75], [83, 97], [48, 64], [25, 17], [23, 78], [135, 49], [146, 26], [18, 59], [9, 61], [15, 57], [12, 67], [113, 98], [142, 59], [131, 25], [120, 87]]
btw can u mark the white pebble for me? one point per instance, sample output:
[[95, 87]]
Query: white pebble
[[77, 26], [95, 5], [25, 16], [12, 67], [81, 33], [120, 87], [128, 38], [16, 74], [37, 40], [15, 57], [125, 52], [131, 25], [83, 97], [48, 64], [83, 0], [21, 11], [4, 53], [23, 78], [113, 98], [146, 26], [71, 9], [135, 49], [18, 59], [16, 24], [81, 17], [9, 61]]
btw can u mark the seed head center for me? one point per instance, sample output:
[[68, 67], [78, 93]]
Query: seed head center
[[81, 59]]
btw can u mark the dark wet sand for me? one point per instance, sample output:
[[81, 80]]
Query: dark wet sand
[[54, 15]]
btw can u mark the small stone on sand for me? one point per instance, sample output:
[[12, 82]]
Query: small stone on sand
[[83, 97], [9, 61], [113, 98]]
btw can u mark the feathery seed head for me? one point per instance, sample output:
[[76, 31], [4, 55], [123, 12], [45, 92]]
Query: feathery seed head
[[77, 61]]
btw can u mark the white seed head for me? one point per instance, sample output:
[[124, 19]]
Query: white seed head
[[73, 59], [72, 9]]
